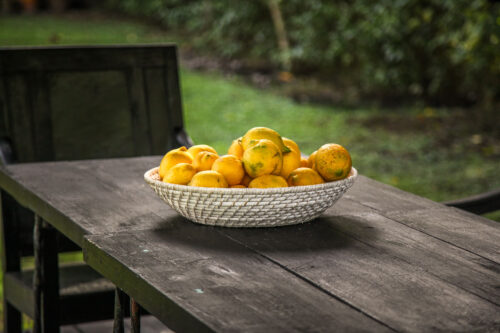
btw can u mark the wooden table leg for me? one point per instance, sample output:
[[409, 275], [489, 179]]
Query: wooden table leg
[[119, 311], [45, 278], [135, 316]]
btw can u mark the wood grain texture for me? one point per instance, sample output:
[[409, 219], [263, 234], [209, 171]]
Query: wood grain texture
[[112, 190], [393, 257], [385, 198], [195, 279], [465, 230], [67, 103], [400, 276]]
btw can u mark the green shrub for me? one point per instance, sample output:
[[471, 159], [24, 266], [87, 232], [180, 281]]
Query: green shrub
[[444, 51]]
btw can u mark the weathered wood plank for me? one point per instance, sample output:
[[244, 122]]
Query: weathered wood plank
[[195, 279], [114, 190], [17, 98], [88, 58], [92, 118], [465, 230], [89, 102], [123, 200], [400, 276], [385, 198], [393, 257], [154, 83], [139, 112], [125, 178], [39, 101], [459, 267]]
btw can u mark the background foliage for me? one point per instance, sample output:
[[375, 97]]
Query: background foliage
[[446, 52]]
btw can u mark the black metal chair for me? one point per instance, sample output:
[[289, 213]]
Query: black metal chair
[[67, 103], [478, 204]]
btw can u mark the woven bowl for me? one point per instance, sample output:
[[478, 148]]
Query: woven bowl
[[250, 207]]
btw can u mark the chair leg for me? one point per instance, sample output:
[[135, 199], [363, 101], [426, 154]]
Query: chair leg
[[135, 316], [45, 278], [12, 319], [10, 257], [120, 298]]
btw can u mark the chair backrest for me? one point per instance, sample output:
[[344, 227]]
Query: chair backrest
[[66, 103]]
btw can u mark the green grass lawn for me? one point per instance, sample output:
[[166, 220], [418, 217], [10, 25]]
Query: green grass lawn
[[403, 147], [416, 149]]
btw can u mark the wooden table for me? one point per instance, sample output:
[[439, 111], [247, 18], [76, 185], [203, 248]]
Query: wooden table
[[380, 259]]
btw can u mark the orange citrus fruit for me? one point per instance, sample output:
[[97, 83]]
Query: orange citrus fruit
[[291, 144], [180, 174], [173, 157], [263, 158], [333, 162], [236, 149], [231, 168], [304, 176], [195, 150], [267, 181], [291, 161], [208, 178], [246, 180], [259, 133], [204, 160], [312, 160]]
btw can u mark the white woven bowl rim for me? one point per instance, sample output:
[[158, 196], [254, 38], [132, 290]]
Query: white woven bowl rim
[[152, 180]]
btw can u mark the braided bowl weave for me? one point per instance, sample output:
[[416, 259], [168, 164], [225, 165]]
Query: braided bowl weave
[[250, 207]]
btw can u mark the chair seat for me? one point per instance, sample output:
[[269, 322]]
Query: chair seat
[[80, 288]]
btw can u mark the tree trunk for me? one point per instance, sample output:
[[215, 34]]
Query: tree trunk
[[5, 6], [57, 6], [281, 36]]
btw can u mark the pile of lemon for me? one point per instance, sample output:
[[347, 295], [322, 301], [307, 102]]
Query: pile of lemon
[[259, 159]]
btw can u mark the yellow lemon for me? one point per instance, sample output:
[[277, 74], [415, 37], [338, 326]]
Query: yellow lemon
[[238, 186], [262, 158], [304, 162], [259, 133], [231, 168], [312, 160], [195, 150], [236, 149], [208, 178], [180, 174], [291, 144], [173, 157], [204, 160], [291, 161], [246, 180], [267, 181], [333, 162], [304, 176]]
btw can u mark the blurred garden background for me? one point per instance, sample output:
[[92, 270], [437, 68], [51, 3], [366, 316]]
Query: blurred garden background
[[411, 88]]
